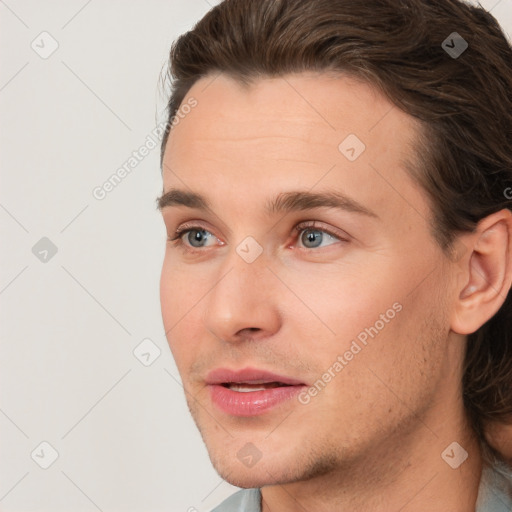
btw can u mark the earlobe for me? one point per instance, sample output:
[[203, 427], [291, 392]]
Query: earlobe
[[487, 273]]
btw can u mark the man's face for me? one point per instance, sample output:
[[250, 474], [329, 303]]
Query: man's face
[[353, 311]]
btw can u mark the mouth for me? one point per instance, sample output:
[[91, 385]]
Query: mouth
[[250, 392], [242, 387]]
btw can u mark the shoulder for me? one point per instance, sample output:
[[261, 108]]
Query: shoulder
[[495, 491], [246, 500]]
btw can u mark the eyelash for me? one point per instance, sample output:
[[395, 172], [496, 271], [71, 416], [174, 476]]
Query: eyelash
[[303, 226]]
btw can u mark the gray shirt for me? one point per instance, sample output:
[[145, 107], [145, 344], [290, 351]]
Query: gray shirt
[[494, 494]]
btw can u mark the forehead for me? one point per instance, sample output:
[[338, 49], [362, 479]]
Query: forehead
[[318, 104], [314, 108], [300, 129]]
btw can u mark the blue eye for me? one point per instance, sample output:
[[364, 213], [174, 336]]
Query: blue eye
[[310, 236], [199, 236]]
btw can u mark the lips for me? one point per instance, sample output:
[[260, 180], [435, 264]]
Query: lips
[[249, 376], [250, 392]]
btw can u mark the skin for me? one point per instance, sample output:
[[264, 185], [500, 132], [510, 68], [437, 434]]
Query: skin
[[499, 436], [372, 439]]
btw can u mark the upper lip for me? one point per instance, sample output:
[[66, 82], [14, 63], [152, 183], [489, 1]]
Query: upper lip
[[248, 376]]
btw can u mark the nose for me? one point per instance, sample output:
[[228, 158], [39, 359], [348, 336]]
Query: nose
[[244, 301]]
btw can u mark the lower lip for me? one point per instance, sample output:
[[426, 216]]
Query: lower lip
[[252, 403]]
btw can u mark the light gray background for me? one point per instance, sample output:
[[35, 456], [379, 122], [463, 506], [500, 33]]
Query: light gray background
[[69, 325]]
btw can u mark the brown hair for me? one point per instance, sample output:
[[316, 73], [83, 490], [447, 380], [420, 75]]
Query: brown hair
[[464, 104]]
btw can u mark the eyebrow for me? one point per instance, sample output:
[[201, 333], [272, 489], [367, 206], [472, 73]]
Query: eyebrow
[[282, 203]]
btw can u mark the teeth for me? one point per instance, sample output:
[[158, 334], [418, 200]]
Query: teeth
[[248, 388], [240, 388]]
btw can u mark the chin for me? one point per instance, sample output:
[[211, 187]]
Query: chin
[[275, 470], [248, 478], [245, 481], [281, 467], [226, 455]]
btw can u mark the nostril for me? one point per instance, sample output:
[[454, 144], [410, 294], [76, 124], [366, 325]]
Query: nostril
[[248, 333]]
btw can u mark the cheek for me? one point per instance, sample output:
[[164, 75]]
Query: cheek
[[180, 296], [348, 298], [169, 296], [381, 320], [408, 355], [387, 379]]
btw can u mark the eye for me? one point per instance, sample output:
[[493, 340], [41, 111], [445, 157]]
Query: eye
[[193, 238], [312, 236], [196, 236]]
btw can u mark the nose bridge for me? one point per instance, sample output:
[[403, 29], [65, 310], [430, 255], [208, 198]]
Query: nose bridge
[[241, 297], [245, 264]]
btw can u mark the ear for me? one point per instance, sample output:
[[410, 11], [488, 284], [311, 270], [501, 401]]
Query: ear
[[487, 273]]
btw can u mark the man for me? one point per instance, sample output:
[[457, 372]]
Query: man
[[336, 285]]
